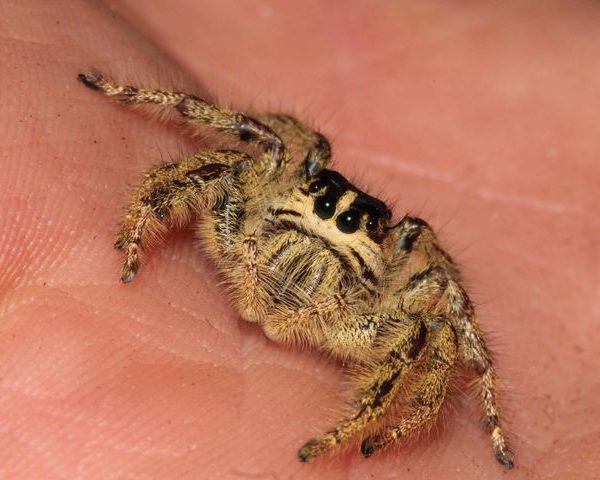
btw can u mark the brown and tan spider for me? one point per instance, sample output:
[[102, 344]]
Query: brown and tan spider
[[316, 262]]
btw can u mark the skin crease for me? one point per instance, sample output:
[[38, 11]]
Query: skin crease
[[481, 117]]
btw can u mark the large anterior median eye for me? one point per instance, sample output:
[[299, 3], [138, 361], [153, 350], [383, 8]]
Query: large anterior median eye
[[325, 206], [348, 221]]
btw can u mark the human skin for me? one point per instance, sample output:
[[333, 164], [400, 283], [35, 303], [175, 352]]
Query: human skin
[[480, 117]]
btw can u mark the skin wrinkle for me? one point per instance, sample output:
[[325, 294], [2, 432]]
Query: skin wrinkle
[[483, 192], [561, 244]]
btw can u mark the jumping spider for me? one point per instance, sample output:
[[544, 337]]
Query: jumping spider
[[316, 262]]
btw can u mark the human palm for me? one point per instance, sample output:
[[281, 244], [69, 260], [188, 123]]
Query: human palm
[[490, 132]]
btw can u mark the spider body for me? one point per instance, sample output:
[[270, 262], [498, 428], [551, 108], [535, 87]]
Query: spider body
[[315, 262]]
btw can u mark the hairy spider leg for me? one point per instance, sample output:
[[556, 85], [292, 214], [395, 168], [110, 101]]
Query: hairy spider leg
[[425, 404], [414, 234], [195, 112], [383, 381], [317, 149], [169, 196]]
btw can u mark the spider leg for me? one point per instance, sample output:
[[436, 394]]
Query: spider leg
[[426, 402], [382, 384], [476, 355], [169, 196], [315, 145], [306, 325], [353, 337], [414, 234], [195, 112]]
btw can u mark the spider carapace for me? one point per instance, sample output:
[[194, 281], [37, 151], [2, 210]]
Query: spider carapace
[[317, 263]]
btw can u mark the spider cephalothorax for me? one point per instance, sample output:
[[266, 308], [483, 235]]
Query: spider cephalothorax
[[315, 262]]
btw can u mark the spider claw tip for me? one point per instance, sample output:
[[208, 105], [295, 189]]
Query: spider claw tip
[[89, 80]]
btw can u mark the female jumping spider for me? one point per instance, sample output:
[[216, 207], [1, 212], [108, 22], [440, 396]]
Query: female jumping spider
[[315, 262]]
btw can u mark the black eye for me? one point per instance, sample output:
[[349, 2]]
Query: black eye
[[315, 186], [372, 223], [348, 221], [325, 206]]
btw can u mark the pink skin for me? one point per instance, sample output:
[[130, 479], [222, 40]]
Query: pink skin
[[482, 118]]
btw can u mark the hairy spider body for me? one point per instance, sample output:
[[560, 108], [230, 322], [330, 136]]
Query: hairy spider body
[[315, 262]]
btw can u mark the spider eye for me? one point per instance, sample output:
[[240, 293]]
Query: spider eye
[[348, 221], [372, 223], [315, 186], [325, 206]]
